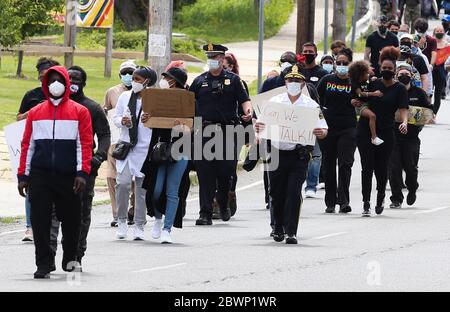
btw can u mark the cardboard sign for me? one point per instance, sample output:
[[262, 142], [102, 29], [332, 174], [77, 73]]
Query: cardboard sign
[[14, 134], [259, 100], [289, 124], [417, 115], [166, 106]]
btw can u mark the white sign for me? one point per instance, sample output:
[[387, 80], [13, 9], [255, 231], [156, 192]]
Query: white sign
[[14, 134], [289, 124], [259, 100], [115, 132], [157, 45]]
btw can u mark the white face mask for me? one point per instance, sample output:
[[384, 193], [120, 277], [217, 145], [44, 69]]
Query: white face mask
[[164, 84], [137, 87], [294, 88], [213, 64], [56, 89]]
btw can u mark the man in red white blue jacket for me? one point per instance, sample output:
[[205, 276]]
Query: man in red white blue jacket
[[54, 164]]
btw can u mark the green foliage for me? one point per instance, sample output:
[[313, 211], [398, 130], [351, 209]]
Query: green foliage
[[24, 18], [230, 20]]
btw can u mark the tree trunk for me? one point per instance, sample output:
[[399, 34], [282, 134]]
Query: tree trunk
[[339, 19], [305, 22], [133, 13]]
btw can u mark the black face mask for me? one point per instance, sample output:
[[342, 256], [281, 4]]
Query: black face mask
[[382, 30], [395, 32], [387, 74], [405, 79], [310, 58], [439, 36]]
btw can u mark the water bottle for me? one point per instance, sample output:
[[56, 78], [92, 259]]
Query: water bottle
[[127, 113]]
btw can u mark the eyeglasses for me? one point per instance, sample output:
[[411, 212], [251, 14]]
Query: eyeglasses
[[342, 63]]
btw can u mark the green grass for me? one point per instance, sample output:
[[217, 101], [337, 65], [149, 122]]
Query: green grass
[[11, 220], [224, 21], [253, 87], [13, 89]]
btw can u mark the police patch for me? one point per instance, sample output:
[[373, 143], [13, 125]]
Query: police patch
[[227, 82]]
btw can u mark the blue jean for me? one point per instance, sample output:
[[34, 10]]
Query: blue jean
[[312, 178], [28, 212], [171, 174]]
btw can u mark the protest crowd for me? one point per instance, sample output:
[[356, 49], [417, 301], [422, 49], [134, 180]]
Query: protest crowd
[[378, 105]]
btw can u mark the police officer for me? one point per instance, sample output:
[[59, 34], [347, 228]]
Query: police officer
[[287, 179], [218, 93]]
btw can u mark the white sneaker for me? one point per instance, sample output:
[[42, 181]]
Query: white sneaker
[[157, 227], [165, 237], [377, 141], [28, 237], [139, 232], [310, 194], [122, 230], [321, 186]]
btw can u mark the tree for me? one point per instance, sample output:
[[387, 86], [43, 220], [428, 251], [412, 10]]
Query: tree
[[24, 18], [339, 19]]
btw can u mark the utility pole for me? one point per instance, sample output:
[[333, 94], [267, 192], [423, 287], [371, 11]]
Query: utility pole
[[260, 43], [70, 30], [325, 27], [108, 52], [160, 34], [354, 19], [305, 22], [339, 19]]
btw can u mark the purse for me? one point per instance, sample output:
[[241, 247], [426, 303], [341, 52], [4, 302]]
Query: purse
[[161, 153], [121, 150]]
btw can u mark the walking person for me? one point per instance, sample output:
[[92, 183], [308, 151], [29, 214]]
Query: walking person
[[30, 100], [287, 179], [218, 93], [128, 119], [111, 97], [377, 41], [439, 73], [413, 9], [100, 129], [55, 162], [165, 180], [406, 149], [427, 43], [375, 158], [340, 144]]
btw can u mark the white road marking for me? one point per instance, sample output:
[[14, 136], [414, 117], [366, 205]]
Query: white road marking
[[161, 268], [11, 232], [329, 235], [432, 210], [237, 190]]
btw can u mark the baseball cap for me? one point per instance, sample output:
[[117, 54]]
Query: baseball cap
[[128, 64]]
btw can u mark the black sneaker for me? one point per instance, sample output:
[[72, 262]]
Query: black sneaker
[[216, 209], [395, 205], [41, 274], [366, 209], [330, 210], [411, 198], [130, 222], [345, 209], [203, 221], [74, 266], [278, 237], [291, 239], [232, 203], [380, 203], [225, 214], [272, 233], [114, 224]]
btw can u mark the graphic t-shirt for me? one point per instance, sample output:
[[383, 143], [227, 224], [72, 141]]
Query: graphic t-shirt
[[335, 99]]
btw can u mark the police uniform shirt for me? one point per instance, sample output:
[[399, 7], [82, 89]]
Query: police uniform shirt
[[218, 106], [302, 101]]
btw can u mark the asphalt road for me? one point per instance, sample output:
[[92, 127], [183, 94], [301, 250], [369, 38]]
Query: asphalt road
[[401, 250]]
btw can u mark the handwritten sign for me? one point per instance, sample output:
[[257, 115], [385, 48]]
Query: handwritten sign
[[115, 132], [157, 45], [14, 134], [289, 124]]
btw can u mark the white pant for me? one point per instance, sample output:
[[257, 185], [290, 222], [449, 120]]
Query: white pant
[[123, 188]]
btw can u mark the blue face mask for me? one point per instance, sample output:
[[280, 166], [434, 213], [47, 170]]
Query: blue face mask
[[328, 67], [414, 50], [342, 69], [126, 79]]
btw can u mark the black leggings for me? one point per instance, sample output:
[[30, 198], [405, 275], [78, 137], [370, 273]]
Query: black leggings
[[374, 159], [439, 85]]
